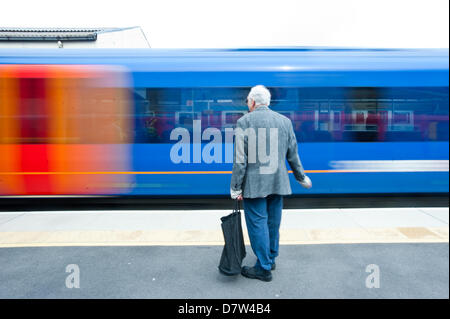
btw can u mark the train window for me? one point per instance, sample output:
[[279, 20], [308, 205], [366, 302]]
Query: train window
[[214, 107], [229, 118], [288, 114], [33, 110], [63, 105], [317, 114], [186, 119]]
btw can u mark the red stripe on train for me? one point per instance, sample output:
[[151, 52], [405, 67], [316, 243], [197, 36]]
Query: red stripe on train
[[34, 157]]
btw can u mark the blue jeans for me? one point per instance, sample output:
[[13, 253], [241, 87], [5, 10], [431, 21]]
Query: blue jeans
[[263, 218]]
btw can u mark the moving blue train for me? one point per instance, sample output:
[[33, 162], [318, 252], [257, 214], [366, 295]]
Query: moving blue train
[[366, 120]]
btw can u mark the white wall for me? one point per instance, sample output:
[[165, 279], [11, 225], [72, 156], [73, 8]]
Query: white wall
[[239, 23]]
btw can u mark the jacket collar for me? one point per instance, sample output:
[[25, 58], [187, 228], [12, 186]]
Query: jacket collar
[[261, 108]]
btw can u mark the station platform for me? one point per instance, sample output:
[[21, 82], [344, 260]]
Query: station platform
[[202, 227], [324, 253]]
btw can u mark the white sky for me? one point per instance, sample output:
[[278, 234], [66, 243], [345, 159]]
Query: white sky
[[248, 23]]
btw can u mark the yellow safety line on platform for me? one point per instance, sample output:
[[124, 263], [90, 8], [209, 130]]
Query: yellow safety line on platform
[[215, 238]]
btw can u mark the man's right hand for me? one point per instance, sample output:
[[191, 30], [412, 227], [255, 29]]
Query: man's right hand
[[306, 182], [236, 194]]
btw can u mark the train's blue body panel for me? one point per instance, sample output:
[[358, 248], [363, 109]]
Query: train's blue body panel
[[314, 156], [283, 67]]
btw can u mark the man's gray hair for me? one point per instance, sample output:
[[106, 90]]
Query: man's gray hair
[[260, 94]]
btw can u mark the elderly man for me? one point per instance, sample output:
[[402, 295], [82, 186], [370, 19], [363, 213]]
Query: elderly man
[[261, 180]]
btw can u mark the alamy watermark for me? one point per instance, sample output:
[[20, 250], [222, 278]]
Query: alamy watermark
[[73, 280], [373, 280], [254, 141]]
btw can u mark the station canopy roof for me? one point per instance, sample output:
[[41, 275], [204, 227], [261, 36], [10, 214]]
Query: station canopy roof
[[52, 34]]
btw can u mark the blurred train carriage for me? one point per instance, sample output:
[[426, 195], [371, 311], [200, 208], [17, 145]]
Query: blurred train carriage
[[102, 122]]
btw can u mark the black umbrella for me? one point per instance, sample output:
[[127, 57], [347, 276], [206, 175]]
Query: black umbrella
[[234, 250]]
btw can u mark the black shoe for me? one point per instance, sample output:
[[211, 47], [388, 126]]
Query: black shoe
[[273, 266], [256, 273]]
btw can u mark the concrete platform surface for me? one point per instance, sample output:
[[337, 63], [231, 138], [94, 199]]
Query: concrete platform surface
[[409, 270], [202, 227]]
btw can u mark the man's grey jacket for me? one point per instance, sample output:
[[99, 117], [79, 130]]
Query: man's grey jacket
[[264, 139]]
